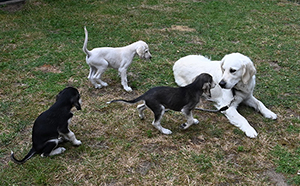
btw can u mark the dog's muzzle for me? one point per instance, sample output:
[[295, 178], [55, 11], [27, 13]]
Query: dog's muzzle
[[222, 84]]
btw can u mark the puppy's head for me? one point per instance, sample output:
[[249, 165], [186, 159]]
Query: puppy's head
[[207, 83], [236, 68], [71, 96], [143, 50]]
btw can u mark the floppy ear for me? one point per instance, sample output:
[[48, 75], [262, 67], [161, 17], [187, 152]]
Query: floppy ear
[[76, 102], [206, 86], [222, 62], [141, 51], [248, 71]]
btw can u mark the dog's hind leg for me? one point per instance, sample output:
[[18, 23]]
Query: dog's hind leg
[[49, 148], [97, 76], [141, 109], [92, 78], [159, 111], [190, 119]]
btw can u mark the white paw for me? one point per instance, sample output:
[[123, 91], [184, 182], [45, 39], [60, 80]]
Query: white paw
[[128, 89], [62, 149], [250, 132], [270, 115], [77, 142], [166, 131], [104, 84], [98, 86], [196, 122]]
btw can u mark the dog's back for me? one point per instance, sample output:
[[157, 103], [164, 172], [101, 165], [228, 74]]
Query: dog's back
[[188, 67]]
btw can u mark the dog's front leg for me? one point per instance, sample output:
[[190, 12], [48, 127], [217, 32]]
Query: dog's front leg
[[71, 137], [259, 106], [123, 74], [239, 121], [190, 119]]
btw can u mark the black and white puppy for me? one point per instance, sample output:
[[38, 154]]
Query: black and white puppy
[[182, 99], [52, 126]]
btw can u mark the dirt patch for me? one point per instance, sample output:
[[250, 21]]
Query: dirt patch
[[275, 66], [182, 28], [276, 178], [48, 68]]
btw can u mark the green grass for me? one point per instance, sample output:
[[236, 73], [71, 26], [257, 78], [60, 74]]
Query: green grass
[[40, 54]]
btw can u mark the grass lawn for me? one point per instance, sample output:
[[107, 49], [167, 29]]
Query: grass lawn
[[40, 54]]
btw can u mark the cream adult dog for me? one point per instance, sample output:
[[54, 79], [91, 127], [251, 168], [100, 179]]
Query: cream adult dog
[[235, 79], [99, 59]]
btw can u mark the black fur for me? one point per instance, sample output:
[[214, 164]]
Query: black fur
[[52, 125], [182, 99]]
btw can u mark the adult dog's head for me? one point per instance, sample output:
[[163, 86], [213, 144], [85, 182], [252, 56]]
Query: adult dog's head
[[143, 50], [236, 68], [71, 96]]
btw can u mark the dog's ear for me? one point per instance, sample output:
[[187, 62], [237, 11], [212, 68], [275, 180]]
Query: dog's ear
[[206, 86], [248, 71], [76, 101], [141, 51], [221, 63]]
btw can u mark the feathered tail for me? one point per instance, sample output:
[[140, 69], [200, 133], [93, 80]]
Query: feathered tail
[[27, 157]]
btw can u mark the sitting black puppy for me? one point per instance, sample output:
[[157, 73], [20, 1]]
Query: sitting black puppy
[[182, 99], [51, 127]]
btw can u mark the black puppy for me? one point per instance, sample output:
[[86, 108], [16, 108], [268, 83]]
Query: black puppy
[[182, 99], [51, 127]]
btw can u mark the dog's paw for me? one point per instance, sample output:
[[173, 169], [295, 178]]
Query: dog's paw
[[104, 84], [62, 149], [166, 131], [76, 142], [196, 122], [128, 89], [270, 115], [251, 132], [184, 126], [98, 86]]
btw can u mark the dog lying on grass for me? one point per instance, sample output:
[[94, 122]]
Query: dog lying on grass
[[99, 59], [52, 126], [182, 99]]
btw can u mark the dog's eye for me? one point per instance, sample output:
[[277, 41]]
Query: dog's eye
[[232, 70]]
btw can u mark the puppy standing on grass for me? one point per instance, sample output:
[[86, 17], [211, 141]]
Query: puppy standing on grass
[[182, 99], [51, 127], [99, 59]]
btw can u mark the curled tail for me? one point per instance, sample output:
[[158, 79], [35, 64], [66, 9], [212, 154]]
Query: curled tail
[[27, 157], [127, 101], [84, 48]]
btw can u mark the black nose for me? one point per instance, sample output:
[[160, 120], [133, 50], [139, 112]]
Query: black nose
[[222, 83]]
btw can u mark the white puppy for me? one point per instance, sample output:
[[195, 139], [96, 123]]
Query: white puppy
[[235, 79], [118, 58]]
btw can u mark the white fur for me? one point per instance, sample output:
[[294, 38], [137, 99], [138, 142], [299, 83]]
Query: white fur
[[235, 71], [99, 59]]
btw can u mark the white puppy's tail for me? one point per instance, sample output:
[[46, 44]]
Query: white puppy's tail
[[84, 48]]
